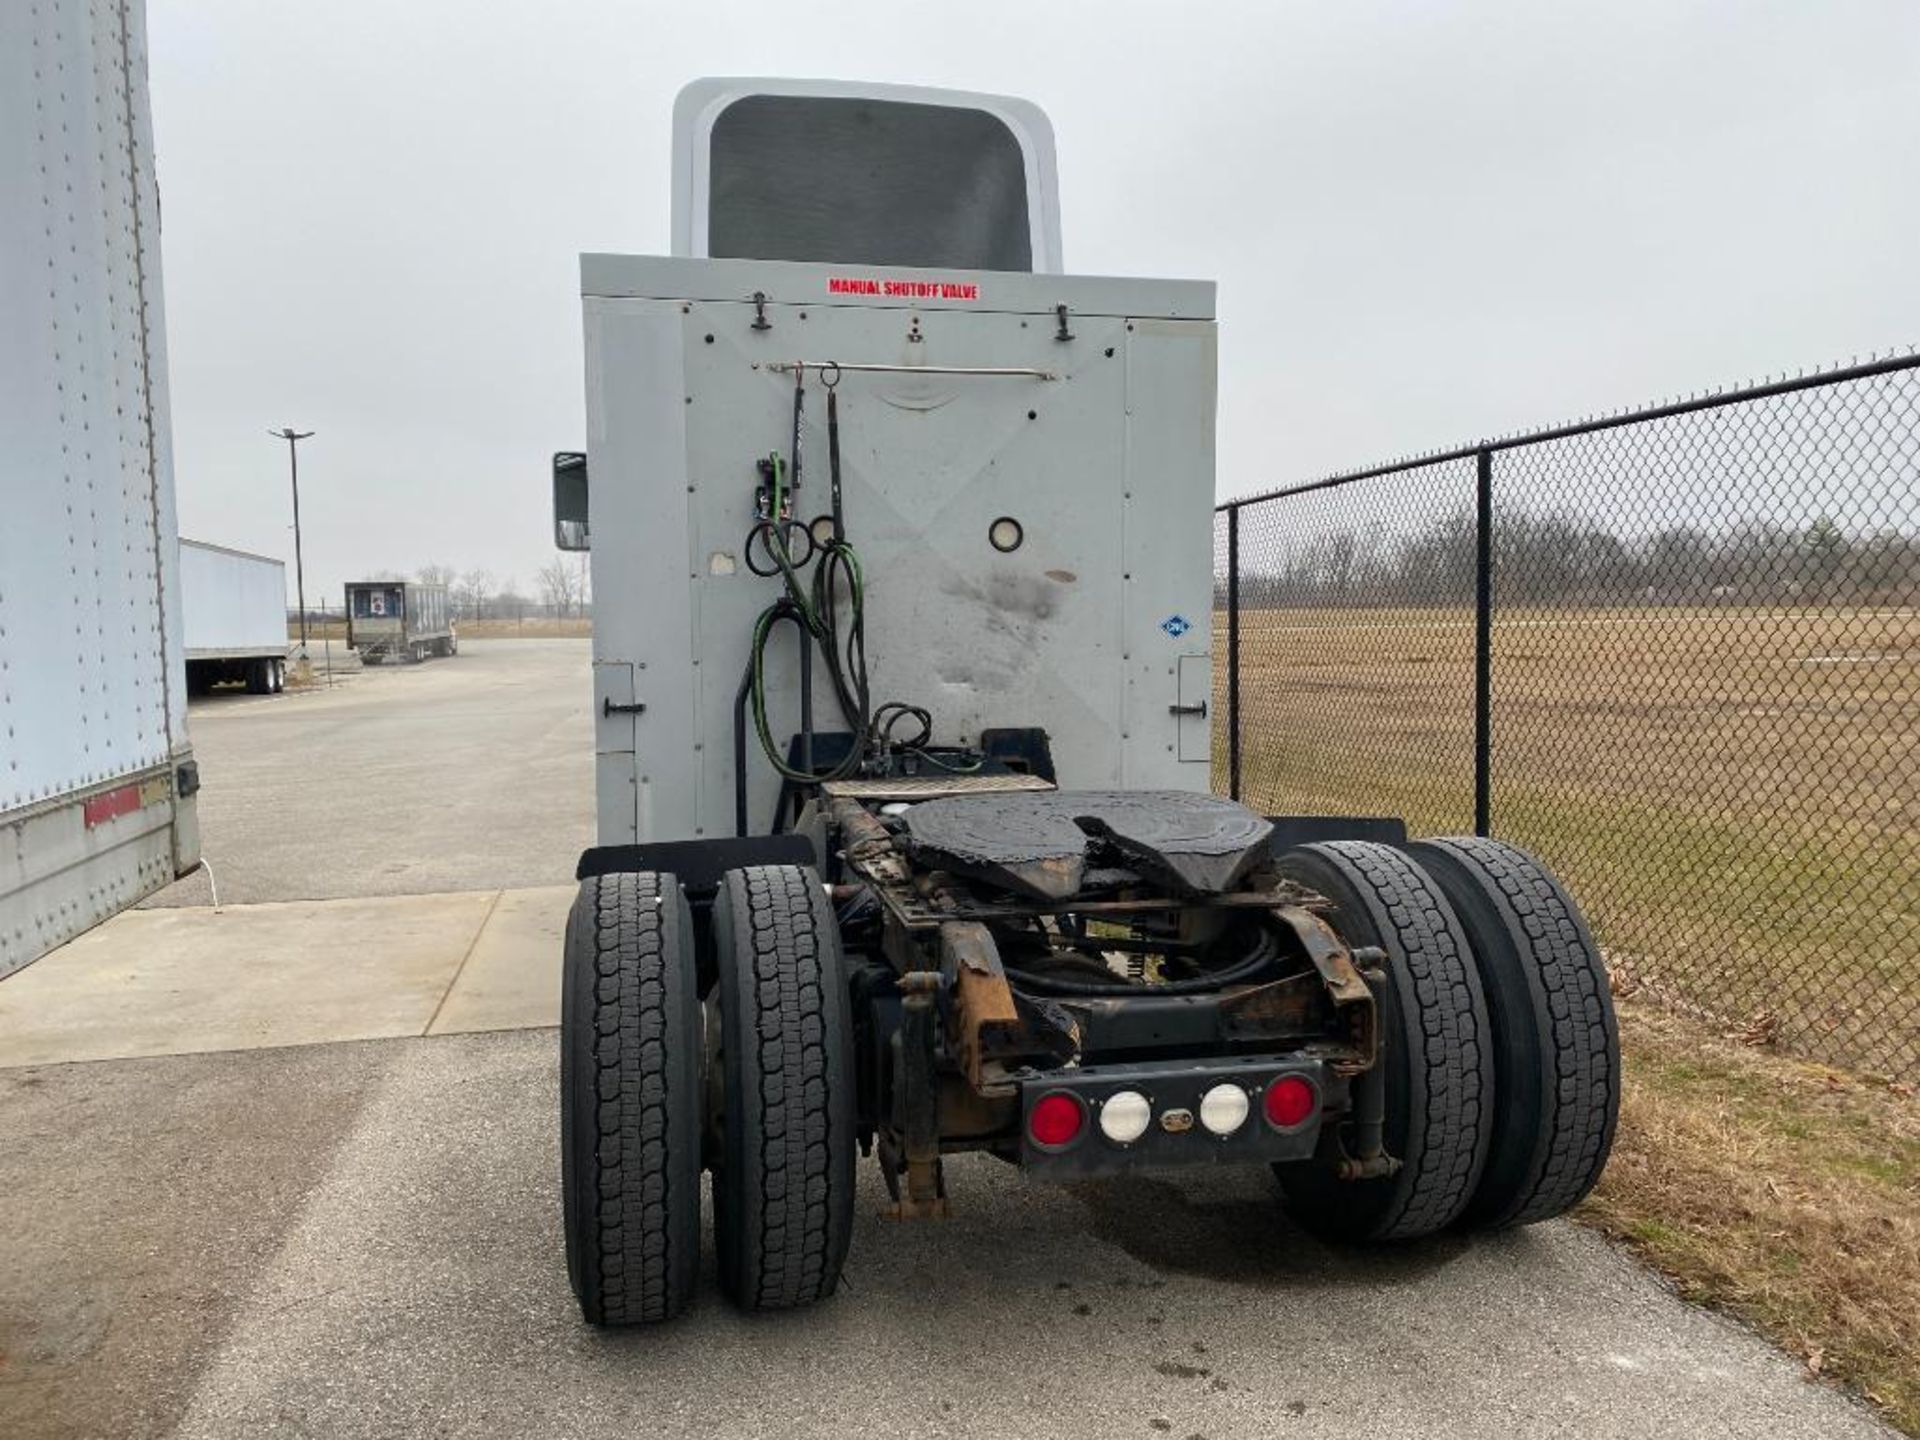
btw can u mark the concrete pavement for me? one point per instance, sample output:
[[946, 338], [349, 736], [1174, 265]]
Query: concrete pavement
[[469, 773], [177, 981]]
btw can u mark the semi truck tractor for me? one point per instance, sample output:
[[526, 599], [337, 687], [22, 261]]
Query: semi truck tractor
[[902, 557], [97, 778], [235, 607]]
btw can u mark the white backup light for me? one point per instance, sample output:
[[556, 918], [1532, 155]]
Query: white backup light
[[1124, 1117], [1224, 1109]]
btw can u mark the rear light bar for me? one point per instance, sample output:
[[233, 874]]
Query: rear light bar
[[1101, 1118]]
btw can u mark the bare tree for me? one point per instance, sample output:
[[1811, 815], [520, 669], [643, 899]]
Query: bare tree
[[472, 592], [436, 575], [559, 586], [507, 603]]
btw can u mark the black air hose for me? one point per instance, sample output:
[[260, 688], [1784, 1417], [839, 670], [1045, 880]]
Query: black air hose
[[1265, 950]]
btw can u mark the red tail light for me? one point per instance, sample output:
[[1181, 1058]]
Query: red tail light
[[1290, 1102], [1056, 1120]]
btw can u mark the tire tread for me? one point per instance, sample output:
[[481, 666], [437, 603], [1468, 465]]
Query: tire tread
[[637, 1208], [789, 1210], [1449, 1073], [1573, 1023]]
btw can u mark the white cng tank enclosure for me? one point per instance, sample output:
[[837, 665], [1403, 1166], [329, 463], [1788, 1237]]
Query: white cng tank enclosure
[[1027, 455]]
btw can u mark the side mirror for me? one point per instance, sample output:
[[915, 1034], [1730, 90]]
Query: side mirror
[[570, 500]]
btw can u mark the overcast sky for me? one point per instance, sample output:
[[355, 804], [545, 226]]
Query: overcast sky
[[1428, 221]]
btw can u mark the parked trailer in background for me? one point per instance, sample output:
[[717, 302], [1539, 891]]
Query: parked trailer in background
[[236, 618], [399, 618], [96, 775]]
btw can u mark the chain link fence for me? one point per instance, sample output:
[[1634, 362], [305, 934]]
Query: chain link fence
[[1674, 652]]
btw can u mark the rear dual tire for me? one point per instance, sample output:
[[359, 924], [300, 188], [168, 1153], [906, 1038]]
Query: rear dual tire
[[630, 1099], [783, 1180], [633, 1103], [1434, 1045], [1498, 1034], [266, 677], [1556, 1042]]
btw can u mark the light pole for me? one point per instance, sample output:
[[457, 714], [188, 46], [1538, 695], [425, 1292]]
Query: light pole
[[293, 438]]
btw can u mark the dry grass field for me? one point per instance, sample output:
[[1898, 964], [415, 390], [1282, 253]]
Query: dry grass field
[[528, 629], [531, 628], [1783, 1192], [1733, 795]]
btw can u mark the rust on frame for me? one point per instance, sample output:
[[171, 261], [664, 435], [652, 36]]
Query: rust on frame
[[987, 1023], [1340, 979]]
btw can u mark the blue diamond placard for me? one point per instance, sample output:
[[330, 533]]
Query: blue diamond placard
[[1176, 625]]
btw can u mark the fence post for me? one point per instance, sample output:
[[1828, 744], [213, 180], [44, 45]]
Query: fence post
[[1233, 651], [1483, 644]]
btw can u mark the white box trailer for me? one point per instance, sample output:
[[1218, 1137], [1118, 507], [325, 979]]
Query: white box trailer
[[96, 774], [235, 606]]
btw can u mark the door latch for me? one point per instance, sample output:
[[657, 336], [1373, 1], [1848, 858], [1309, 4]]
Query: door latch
[[610, 707], [1200, 709]]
